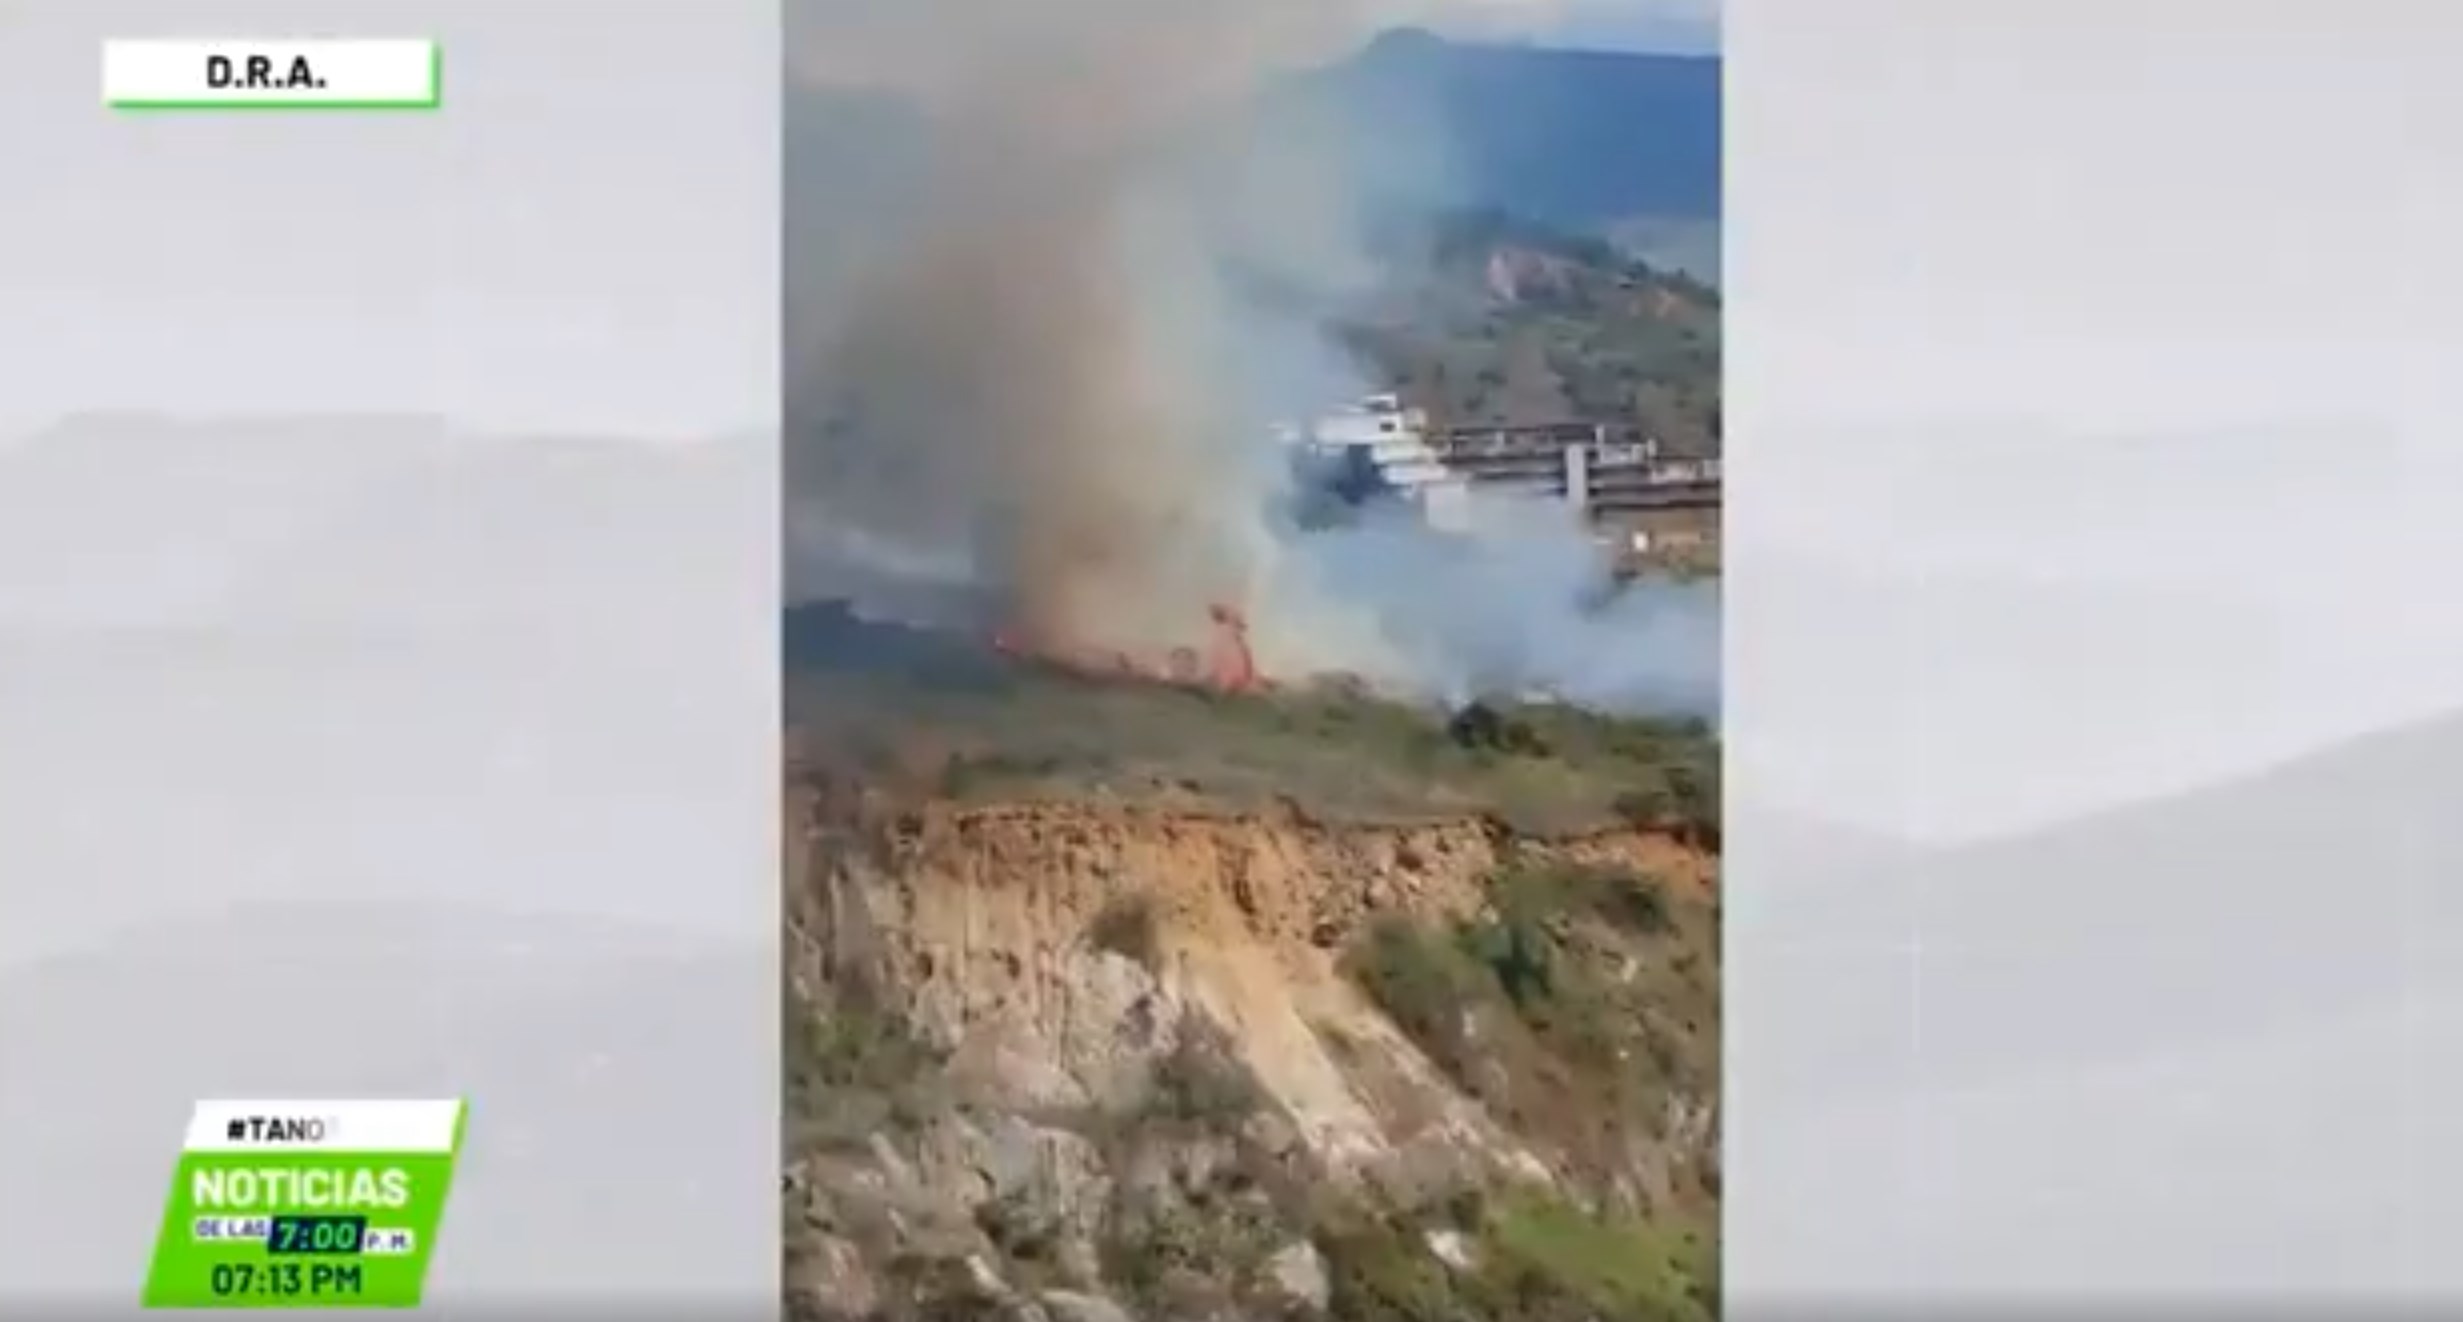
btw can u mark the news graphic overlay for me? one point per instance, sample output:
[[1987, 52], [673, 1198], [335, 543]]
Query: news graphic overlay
[[305, 1205], [273, 74]]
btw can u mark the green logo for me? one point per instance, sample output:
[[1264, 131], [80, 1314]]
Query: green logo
[[305, 1205]]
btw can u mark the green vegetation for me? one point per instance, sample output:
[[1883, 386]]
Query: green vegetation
[[1194, 1242], [852, 1070], [1577, 1006], [1683, 798], [1190, 1256], [1382, 1270], [1502, 320], [1199, 1088], [1523, 1258], [1552, 1260], [1038, 733]]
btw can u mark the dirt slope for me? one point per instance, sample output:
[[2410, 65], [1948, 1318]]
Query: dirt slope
[[1101, 1058]]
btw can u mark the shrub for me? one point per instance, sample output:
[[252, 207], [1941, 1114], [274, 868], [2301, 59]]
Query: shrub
[[1683, 798], [1535, 1258], [1425, 982], [852, 1068], [1631, 902], [1542, 1259], [1482, 727], [1199, 1083], [1380, 1269]]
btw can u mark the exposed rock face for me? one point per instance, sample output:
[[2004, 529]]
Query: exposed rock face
[[1298, 1273], [1135, 1055]]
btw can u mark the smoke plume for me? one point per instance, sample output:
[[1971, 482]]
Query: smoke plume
[[1033, 379]]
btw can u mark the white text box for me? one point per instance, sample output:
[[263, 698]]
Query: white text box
[[272, 73]]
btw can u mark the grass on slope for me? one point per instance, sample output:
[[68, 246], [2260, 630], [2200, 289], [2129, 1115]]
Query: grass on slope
[[1027, 732], [1582, 1007]]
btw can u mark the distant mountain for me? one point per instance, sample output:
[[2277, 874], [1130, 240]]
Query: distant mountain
[[1546, 175], [1585, 140], [2135, 1055], [1577, 139], [1671, 243], [2227, 916]]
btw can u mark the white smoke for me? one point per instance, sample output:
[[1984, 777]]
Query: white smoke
[[1039, 369]]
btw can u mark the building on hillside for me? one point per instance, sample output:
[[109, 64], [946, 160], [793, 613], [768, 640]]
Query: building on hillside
[[1380, 449]]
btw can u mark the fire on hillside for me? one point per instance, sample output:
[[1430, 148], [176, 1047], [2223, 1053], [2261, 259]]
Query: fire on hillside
[[1226, 664]]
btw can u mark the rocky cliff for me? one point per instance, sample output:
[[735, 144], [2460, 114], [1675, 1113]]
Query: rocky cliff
[[1107, 1057]]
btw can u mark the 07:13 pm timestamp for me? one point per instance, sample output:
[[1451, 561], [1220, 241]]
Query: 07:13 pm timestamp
[[284, 1280]]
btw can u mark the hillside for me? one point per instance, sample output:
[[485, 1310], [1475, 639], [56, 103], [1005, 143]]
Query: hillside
[[1489, 317], [1111, 1000], [1547, 221], [2301, 887], [2214, 919], [2154, 1044]]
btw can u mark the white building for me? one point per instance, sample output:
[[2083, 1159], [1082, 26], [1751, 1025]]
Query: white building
[[1396, 439]]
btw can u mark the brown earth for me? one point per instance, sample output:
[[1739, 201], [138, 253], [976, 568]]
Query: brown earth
[[1104, 1059]]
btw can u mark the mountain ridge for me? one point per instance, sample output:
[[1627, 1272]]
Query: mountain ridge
[[1572, 138]]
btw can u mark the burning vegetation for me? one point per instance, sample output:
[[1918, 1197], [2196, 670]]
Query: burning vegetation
[[1140, 966], [1226, 665], [1122, 990], [1045, 374]]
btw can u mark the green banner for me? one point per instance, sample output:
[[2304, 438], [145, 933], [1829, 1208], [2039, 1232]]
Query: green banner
[[305, 1205]]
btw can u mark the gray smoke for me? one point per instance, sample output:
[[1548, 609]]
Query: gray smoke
[[1519, 603], [1033, 386]]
